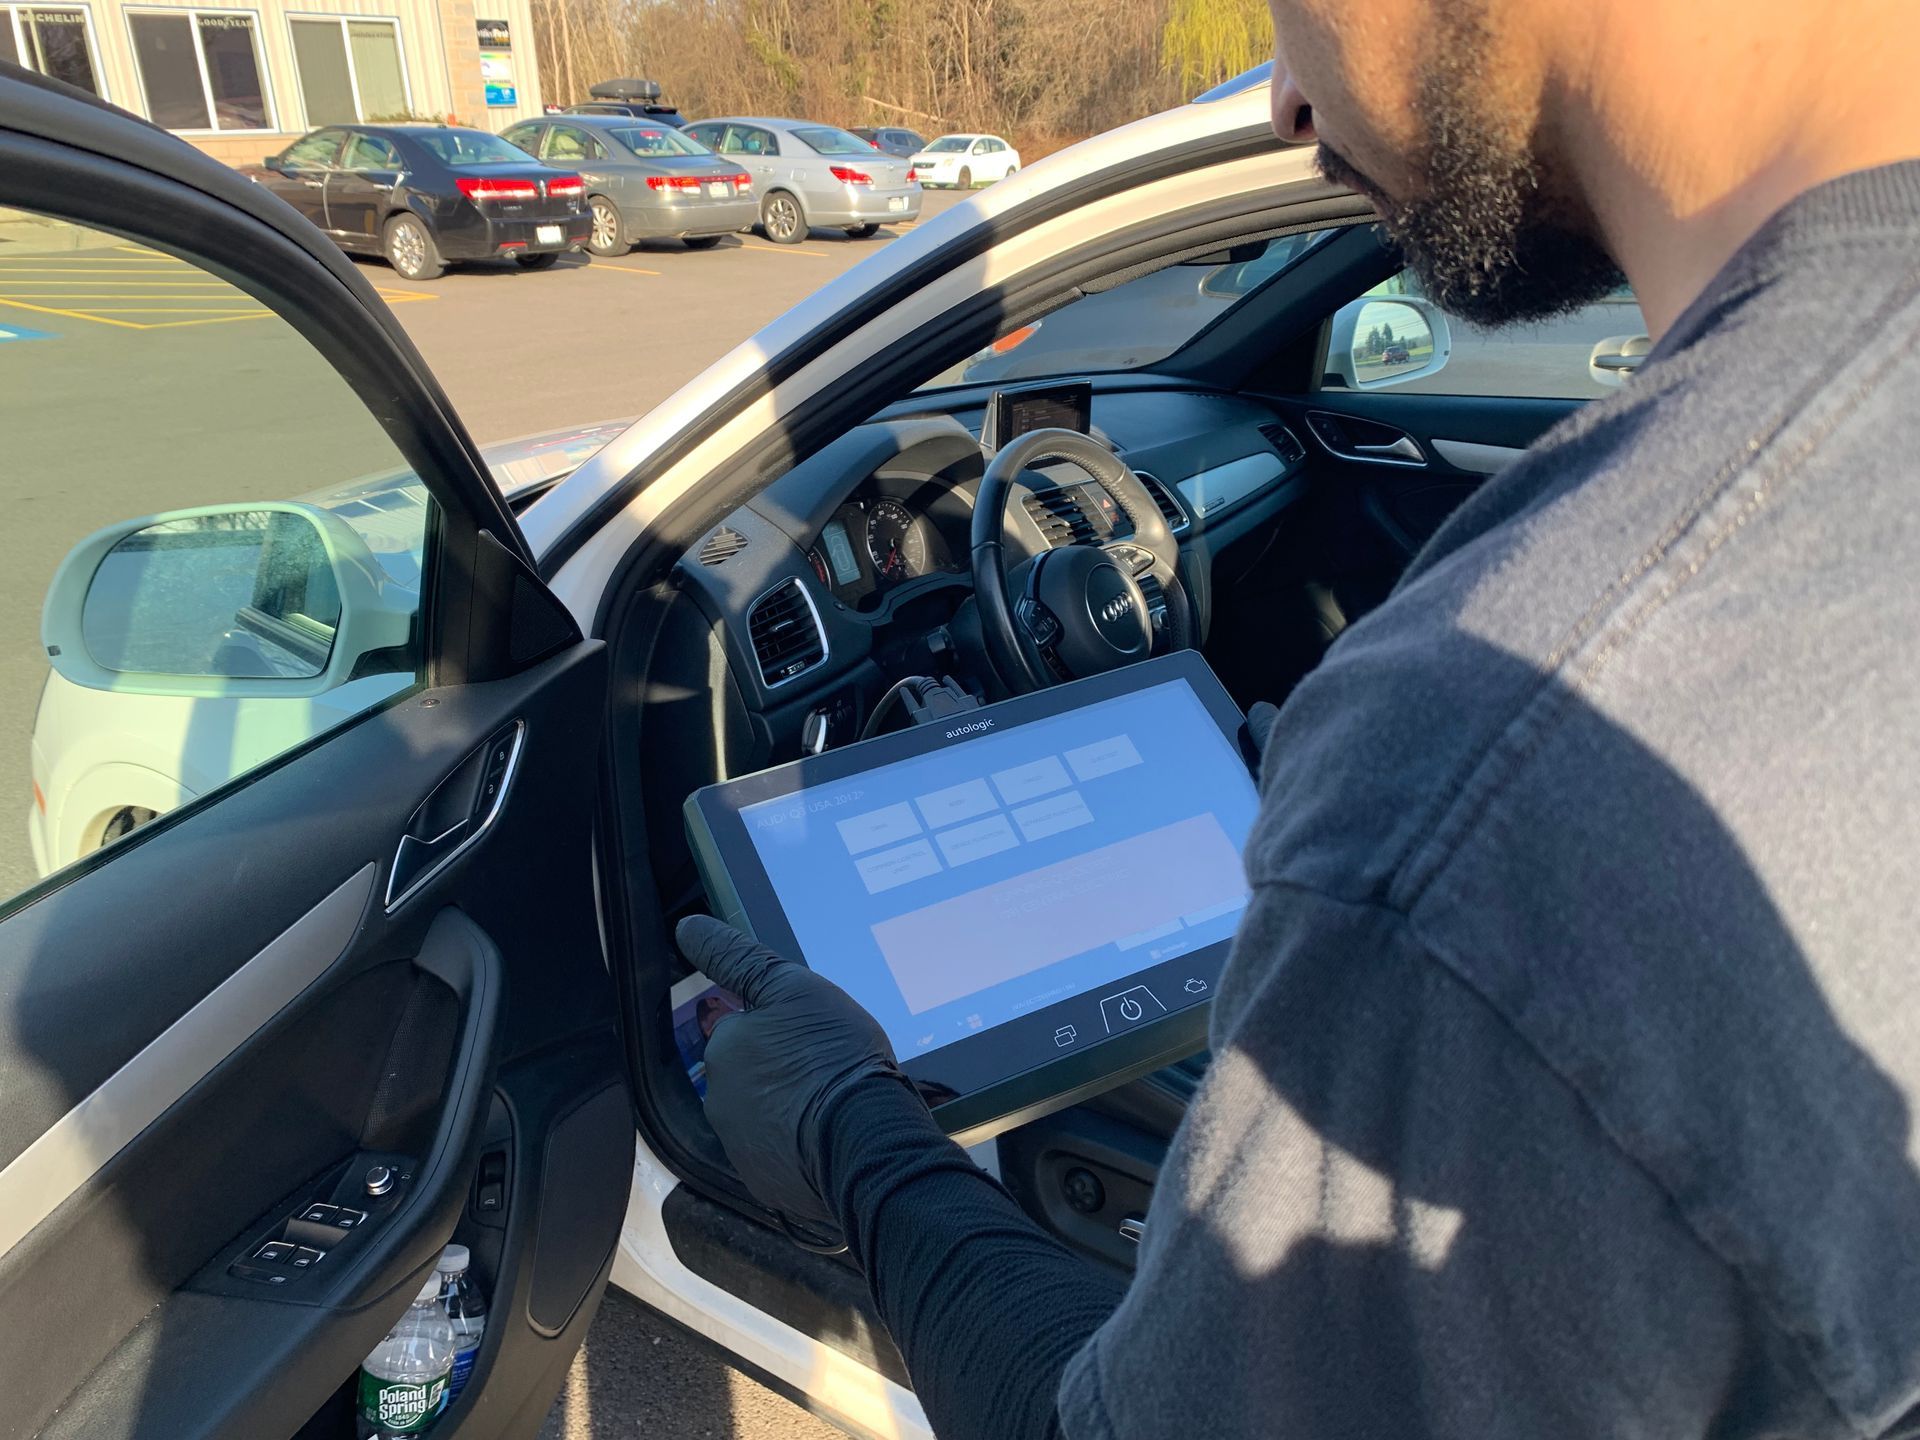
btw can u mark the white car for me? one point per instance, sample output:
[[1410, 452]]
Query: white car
[[964, 161], [410, 979]]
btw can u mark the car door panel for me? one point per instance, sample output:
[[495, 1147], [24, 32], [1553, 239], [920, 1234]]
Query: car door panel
[[389, 1052], [221, 1020]]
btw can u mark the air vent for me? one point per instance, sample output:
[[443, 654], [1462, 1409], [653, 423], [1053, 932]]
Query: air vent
[[1285, 444], [1060, 518], [1176, 516], [722, 546], [787, 636]]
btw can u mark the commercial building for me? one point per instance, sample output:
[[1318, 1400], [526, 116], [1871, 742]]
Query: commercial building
[[242, 80]]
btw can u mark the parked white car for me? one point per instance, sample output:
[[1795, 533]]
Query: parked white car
[[964, 161], [105, 762]]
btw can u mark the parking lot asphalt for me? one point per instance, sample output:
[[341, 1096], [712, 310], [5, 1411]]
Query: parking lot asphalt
[[639, 1378], [598, 340]]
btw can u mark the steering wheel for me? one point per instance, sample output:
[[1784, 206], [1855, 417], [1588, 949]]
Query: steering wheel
[[1077, 610]]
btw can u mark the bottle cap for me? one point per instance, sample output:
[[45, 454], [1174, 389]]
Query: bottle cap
[[454, 1260], [429, 1289]]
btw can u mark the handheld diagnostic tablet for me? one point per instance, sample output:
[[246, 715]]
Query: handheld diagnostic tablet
[[1033, 899]]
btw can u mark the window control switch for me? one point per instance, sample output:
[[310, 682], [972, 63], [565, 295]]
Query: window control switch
[[322, 1214], [305, 1257], [274, 1252], [346, 1219]]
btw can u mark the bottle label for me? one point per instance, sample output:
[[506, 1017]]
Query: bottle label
[[401, 1407], [462, 1367]]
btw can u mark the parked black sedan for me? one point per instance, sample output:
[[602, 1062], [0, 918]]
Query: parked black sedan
[[426, 195]]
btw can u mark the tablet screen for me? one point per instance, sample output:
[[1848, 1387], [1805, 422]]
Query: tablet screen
[[1020, 867]]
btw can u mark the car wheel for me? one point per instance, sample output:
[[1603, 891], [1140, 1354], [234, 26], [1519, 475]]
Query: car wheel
[[701, 242], [545, 260], [781, 218], [861, 232], [411, 251], [607, 237], [124, 821], [966, 177]]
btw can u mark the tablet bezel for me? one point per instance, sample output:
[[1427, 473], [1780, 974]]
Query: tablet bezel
[[740, 891]]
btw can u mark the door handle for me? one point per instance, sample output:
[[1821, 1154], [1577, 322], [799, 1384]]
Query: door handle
[[457, 813], [1618, 362], [1405, 448]]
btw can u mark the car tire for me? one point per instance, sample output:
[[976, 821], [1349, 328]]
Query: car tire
[[409, 248], [608, 237], [701, 242], [781, 217], [862, 232], [965, 182], [124, 821], [545, 260]]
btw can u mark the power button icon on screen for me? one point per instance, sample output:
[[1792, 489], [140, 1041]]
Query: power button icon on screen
[[1130, 1007]]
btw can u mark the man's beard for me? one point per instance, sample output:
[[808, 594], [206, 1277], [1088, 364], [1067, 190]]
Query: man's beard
[[1490, 239]]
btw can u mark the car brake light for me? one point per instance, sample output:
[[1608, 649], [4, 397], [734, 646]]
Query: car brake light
[[567, 186], [742, 181], [847, 175], [674, 182], [476, 189]]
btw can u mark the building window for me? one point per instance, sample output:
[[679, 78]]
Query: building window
[[350, 69], [201, 69], [53, 39]]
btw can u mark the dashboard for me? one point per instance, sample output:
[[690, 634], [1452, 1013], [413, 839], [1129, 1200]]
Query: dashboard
[[853, 569]]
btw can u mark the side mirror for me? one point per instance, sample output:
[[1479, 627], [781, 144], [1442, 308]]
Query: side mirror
[[271, 600], [1616, 358], [1376, 342], [276, 163]]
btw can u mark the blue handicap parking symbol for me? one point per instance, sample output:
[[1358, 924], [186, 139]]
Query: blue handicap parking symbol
[[14, 332]]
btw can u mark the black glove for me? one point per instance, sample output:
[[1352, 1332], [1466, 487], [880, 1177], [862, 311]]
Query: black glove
[[774, 1069]]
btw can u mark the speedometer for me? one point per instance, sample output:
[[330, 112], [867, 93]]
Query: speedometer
[[896, 541]]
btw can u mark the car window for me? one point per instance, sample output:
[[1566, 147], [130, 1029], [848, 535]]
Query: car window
[[982, 147], [708, 135], [469, 147], [371, 152], [1585, 355], [524, 137], [1137, 323], [316, 150], [657, 140], [828, 140], [565, 142], [750, 140], [274, 590]]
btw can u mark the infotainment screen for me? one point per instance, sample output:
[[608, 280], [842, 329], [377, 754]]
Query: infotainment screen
[[1032, 899], [1013, 413]]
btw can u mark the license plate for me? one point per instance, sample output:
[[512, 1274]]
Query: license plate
[[717, 189], [898, 202], [550, 235]]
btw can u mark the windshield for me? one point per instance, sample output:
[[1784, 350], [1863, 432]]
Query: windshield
[[948, 143], [657, 140], [1136, 324], [825, 140], [472, 147]]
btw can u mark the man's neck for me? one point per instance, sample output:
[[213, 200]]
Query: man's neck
[[1688, 126]]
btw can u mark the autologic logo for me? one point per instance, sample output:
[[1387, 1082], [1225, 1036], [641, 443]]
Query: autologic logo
[[974, 729]]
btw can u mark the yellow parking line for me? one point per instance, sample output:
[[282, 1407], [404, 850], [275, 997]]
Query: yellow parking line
[[90, 283], [164, 309], [621, 269], [9, 267], [785, 250], [74, 315], [177, 324]]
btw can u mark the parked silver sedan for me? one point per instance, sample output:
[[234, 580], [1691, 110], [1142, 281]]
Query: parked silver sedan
[[645, 180], [814, 175]]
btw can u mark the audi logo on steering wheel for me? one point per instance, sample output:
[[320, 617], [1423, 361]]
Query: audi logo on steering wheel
[[1116, 608]]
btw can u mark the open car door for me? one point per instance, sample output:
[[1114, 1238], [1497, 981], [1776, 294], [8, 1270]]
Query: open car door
[[332, 995]]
